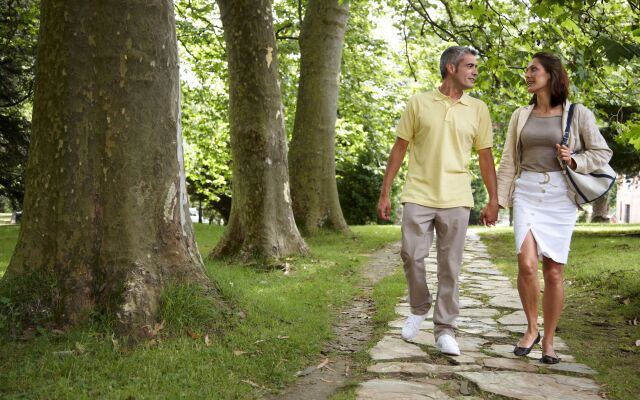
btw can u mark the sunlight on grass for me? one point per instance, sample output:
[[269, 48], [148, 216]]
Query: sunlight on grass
[[273, 325]]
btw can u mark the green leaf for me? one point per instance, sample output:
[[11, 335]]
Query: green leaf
[[570, 25]]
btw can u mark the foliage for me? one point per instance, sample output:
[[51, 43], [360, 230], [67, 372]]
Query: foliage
[[18, 29], [372, 94], [602, 299], [279, 326], [599, 41], [480, 197], [205, 111], [359, 186]]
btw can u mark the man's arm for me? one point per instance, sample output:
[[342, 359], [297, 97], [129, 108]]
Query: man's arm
[[489, 214], [396, 157]]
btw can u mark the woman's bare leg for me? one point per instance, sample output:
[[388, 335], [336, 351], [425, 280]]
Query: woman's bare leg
[[529, 287], [552, 301]]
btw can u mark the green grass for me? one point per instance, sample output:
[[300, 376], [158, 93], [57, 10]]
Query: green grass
[[8, 238], [602, 293], [277, 325]]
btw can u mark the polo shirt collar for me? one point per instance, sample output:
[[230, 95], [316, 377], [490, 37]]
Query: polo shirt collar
[[464, 99]]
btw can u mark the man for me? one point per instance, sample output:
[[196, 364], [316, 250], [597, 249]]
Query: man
[[442, 126]]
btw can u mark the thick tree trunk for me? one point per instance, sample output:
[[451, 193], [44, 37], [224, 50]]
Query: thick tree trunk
[[261, 224], [106, 220], [600, 210], [312, 157]]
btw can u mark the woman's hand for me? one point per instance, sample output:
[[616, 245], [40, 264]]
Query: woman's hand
[[565, 155]]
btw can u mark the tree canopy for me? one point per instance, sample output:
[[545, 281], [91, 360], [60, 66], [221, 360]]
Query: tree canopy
[[391, 51]]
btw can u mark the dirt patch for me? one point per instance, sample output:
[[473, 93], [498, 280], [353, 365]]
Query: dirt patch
[[353, 329]]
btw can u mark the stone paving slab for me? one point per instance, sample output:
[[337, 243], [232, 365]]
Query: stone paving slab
[[528, 386], [576, 368], [505, 301], [391, 348], [423, 338], [508, 363], [478, 312], [490, 323], [387, 389], [418, 369]]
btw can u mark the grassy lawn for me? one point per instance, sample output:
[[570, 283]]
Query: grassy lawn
[[602, 300], [8, 238], [278, 326]]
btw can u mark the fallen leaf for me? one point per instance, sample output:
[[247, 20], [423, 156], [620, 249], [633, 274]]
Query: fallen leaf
[[193, 335], [207, 341], [114, 342], [153, 331], [80, 348], [283, 337], [255, 385], [241, 314], [239, 353], [323, 363], [287, 268], [626, 301], [637, 342]]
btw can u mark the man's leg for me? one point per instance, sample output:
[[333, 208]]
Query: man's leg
[[451, 228], [417, 236]]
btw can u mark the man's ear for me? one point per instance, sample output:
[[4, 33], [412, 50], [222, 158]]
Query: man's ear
[[451, 69]]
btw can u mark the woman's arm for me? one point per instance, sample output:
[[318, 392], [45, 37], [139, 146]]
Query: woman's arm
[[507, 168], [595, 152]]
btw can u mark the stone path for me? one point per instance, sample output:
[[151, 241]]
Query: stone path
[[490, 322]]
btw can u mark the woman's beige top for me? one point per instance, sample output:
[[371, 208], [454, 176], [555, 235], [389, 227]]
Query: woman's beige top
[[590, 150], [538, 139]]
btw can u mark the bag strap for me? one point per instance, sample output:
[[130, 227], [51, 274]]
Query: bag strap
[[565, 137]]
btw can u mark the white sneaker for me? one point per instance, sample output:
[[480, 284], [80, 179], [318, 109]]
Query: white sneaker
[[448, 345], [412, 326]]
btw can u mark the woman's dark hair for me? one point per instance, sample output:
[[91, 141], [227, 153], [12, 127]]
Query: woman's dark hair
[[559, 79]]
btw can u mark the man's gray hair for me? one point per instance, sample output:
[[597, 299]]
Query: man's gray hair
[[453, 55]]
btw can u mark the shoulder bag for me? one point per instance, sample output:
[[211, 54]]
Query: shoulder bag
[[591, 186]]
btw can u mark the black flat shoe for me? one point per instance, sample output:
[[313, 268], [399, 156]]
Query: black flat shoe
[[547, 359], [523, 351]]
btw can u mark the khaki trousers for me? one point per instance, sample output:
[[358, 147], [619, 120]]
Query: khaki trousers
[[418, 223]]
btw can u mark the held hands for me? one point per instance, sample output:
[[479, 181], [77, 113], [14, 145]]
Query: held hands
[[564, 154], [489, 214]]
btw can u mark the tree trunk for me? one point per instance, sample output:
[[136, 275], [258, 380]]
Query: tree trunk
[[600, 210], [313, 168], [106, 222], [261, 224]]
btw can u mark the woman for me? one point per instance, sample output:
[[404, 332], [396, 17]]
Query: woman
[[530, 179]]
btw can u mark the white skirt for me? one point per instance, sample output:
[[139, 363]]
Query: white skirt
[[541, 204]]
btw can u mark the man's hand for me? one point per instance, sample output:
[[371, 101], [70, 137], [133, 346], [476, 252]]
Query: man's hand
[[384, 208], [393, 165], [489, 215]]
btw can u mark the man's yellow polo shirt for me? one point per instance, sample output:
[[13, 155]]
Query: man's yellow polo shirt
[[441, 134]]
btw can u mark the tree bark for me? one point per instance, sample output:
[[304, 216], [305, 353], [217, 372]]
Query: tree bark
[[312, 163], [261, 224], [600, 210], [106, 219]]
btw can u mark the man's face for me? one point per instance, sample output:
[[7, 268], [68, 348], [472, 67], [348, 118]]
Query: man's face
[[466, 72]]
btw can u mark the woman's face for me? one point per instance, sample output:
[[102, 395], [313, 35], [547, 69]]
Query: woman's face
[[536, 77]]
